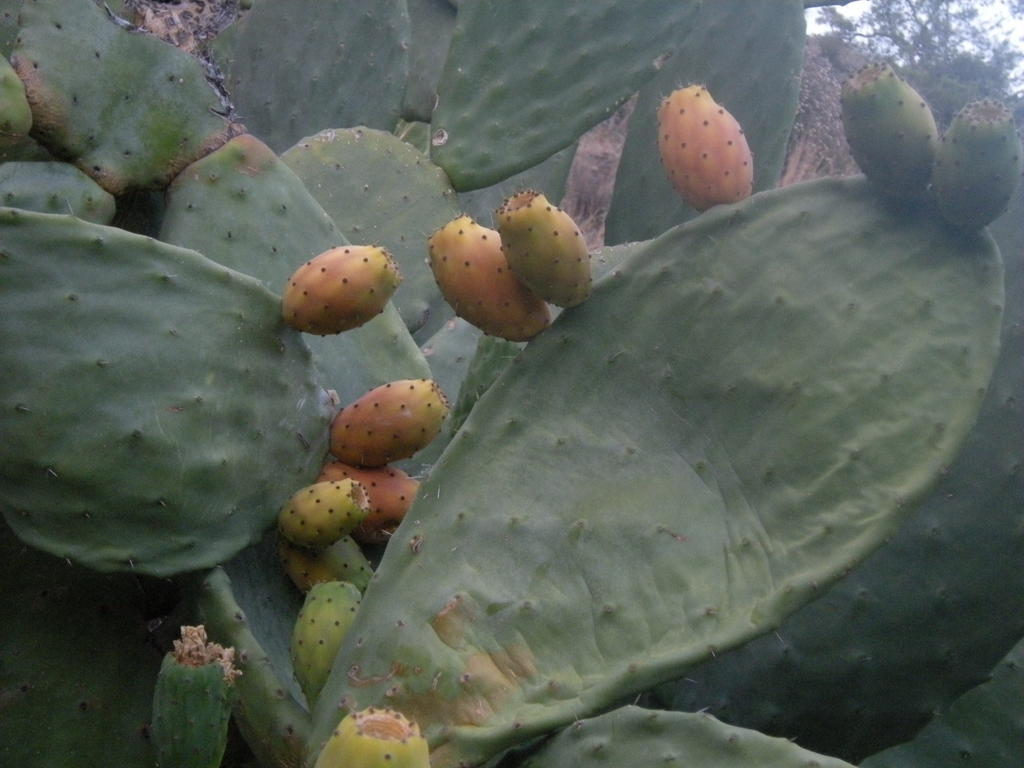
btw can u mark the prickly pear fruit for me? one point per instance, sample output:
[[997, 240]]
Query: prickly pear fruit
[[475, 279], [375, 738], [389, 492], [978, 165], [890, 130], [341, 561], [340, 289], [544, 248], [192, 702], [320, 514], [703, 149], [15, 115], [389, 423], [326, 615]]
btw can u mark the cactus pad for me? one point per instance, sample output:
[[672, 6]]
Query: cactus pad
[[145, 386], [155, 115], [51, 187], [751, 416]]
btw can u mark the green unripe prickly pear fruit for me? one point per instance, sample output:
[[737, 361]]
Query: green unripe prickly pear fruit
[[340, 289], [320, 514], [15, 114], [544, 248], [375, 738], [703, 149], [341, 561], [890, 130], [389, 491], [192, 702], [978, 165], [326, 615], [389, 423], [475, 279]]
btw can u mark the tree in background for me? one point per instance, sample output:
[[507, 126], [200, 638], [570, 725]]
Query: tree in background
[[951, 51]]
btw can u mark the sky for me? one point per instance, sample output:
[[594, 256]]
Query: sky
[[1013, 25]]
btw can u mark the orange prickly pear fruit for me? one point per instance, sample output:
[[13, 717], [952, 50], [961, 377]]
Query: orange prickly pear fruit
[[389, 491], [475, 279], [703, 149], [375, 738], [389, 423], [544, 248], [340, 289], [320, 514]]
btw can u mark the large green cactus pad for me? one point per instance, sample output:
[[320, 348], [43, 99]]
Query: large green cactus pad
[[381, 190], [243, 207], [922, 619], [147, 392], [296, 67], [51, 187], [432, 22], [742, 411], [984, 728], [76, 667], [644, 738], [128, 109], [524, 79], [748, 53]]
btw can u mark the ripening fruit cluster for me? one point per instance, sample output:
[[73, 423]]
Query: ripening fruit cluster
[[971, 171]]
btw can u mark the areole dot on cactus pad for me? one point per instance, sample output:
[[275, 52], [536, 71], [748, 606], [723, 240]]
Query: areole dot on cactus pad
[[703, 149], [388, 423], [544, 248], [340, 289], [375, 738], [320, 514], [475, 279]]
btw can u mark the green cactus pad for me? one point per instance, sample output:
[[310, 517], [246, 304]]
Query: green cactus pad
[[155, 114], [524, 79], [147, 389], [984, 728], [15, 115], [294, 69], [8, 25], [273, 723], [749, 56], [432, 22], [743, 410], [241, 206], [380, 190], [51, 187], [854, 671], [77, 675], [644, 738]]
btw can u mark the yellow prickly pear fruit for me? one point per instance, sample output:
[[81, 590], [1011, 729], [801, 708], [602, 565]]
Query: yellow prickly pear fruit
[[475, 279], [388, 423], [703, 149], [544, 248], [320, 514], [375, 738], [327, 613], [341, 561], [390, 493], [340, 289]]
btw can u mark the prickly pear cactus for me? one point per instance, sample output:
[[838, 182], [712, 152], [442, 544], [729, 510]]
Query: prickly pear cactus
[[145, 382], [51, 187], [698, 490]]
